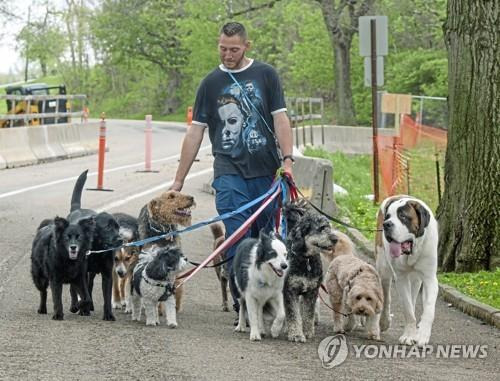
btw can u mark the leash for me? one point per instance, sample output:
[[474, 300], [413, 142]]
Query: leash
[[221, 217], [336, 220], [323, 288], [238, 234]]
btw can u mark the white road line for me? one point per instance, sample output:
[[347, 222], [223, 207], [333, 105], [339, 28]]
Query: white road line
[[72, 178], [163, 186]]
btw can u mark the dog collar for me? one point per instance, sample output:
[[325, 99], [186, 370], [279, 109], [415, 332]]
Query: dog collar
[[162, 230]]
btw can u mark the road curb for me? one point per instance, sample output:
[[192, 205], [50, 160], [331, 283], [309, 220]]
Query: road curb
[[450, 294]]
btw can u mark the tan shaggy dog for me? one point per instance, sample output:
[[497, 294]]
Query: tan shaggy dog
[[355, 290], [221, 271], [162, 215], [125, 261]]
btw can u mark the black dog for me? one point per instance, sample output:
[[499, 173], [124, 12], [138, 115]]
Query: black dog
[[309, 234], [57, 257], [106, 237]]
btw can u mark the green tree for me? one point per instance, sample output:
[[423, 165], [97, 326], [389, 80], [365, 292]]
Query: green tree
[[469, 213]]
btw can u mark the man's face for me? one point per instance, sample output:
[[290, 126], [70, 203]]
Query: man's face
[[232, 51], [232, 118]]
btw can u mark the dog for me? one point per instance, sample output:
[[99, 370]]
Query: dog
[[153, 282], [58, 257], [106, 237], [343, 246], [221, 271], [309, 235], [406, 250], [354, 288], [259, 267], [162, 215], [125, 259]]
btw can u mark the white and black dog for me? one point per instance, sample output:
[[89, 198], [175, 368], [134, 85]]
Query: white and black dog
[[407, 251], [153, 283], [259, 266]]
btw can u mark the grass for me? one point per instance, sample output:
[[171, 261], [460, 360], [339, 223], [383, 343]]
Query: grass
[[353, 172], [483, 286]]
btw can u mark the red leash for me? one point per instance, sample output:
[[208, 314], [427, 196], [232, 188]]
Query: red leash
[[231, 239]]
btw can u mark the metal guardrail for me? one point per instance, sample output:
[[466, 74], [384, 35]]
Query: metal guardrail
[[31, 99], [298, 114]]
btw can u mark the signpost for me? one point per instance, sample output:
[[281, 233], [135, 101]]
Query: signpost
[[373, 46]]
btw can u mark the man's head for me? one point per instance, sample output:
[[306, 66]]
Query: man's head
[[233, 44]]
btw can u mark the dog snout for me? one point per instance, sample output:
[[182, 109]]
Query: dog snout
[[284, 266], [387, 225], [120, 273], [73, 247]]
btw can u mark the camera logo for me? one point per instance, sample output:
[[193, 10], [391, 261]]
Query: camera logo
[[333, 351]]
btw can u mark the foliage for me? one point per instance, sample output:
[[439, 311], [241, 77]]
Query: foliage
[[121, 52], [483, 285], [352, 172]]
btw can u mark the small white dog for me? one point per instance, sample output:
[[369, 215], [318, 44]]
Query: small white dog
[[259, 267], [407, 251], [153, 283]]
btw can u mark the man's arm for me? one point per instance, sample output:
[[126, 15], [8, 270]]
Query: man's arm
[[190, 147], [285, 137]]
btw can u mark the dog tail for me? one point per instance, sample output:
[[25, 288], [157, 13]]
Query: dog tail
[[217, 230], [76, 197]]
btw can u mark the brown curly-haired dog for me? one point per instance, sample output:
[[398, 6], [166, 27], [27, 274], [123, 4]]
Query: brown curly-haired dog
[[355, 290], [162, 215]]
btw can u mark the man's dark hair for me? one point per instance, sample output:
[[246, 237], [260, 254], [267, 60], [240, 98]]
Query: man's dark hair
[[234, 28]]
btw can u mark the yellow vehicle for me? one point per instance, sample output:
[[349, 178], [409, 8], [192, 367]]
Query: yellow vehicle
[[43, 106]]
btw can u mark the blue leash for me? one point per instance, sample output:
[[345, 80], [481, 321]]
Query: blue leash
[[199, 224]]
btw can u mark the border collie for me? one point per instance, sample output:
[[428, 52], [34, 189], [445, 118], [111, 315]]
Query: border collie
[[259, 267]]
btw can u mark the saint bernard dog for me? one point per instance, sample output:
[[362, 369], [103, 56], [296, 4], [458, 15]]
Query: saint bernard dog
[[406, 250]]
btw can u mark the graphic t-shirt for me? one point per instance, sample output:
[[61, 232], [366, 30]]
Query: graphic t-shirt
[[242, 143]]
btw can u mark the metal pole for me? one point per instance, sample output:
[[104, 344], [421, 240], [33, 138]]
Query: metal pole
[[322, 124], [373, 25], [311, 121], [303, 124], [408, 175]]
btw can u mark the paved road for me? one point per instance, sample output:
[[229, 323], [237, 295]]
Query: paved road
[[204, 346]]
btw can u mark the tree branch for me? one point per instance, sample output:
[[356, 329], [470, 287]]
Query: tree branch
[[253, 8]]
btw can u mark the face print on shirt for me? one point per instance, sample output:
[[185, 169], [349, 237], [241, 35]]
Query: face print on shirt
[[237, 109]]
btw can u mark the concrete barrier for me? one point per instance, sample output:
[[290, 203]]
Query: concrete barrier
[[314, 178], [39, 143], [353, 140], [69, 136], [15, 147], [3, 163], [54, 142], [89, 137]]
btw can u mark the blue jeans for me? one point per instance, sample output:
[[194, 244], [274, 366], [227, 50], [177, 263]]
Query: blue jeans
[[233, 191]]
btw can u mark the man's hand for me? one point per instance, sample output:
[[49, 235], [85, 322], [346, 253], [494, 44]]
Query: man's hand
[[176, 186]]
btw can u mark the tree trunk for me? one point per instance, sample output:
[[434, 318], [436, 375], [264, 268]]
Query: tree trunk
[[172, 101], [344, 102], [341, 21], [469, 213]]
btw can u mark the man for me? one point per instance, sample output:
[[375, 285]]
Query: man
[[242, 172]]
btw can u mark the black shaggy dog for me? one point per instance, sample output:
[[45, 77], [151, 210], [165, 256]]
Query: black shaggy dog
[[106, 236], [57, 257], [309, 235]]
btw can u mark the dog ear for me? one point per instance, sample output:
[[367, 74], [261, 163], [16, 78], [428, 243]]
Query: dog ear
[[88, 224], [423, 217], [60, 224]]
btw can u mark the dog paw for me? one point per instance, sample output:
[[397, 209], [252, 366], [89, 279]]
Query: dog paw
[[255, 337], [128, 310], [407, 340], [225, 307], [239, 328], [297, 338], [74, 309], [338, 330], [117, 305], [172, 325], [373, 336], [423, 337], [151, 322], [58, 317], [42, 311], [108, 317]]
